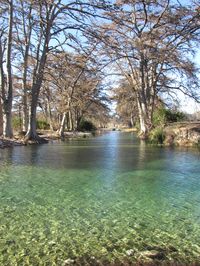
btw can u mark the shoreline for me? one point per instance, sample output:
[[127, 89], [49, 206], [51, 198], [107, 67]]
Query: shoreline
[[47, 136], [179, 136]]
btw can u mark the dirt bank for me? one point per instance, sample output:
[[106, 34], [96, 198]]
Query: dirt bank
[[183, 134]]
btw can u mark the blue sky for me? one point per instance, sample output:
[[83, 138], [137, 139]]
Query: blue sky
[[188, 105]]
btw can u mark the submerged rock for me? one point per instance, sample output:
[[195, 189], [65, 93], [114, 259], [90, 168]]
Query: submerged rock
[[10, 242], [52, 243], [68, 262], [129, 252], [152, 254]]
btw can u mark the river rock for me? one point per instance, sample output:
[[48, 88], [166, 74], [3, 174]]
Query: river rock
[[129, 252], [68, 262], [182, 134], [152, 254], [52, 243]]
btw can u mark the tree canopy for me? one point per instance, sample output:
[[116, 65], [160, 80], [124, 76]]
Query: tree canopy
[[55, 58]]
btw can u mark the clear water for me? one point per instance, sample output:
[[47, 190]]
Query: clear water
[[106, 199]]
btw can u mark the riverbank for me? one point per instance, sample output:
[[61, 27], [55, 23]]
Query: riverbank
[[19, 140], [7, 143], [182, 134]]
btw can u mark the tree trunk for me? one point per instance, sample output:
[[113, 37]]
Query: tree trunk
[[132, 120], [24, 88], [27, 35], [2, 87], [32, 132], [7, 120], [25, 113], [49, 115], [7, 99], [37, 83], [71, 126], [1, 118], [143, 97], [143, 120], [62, 126]]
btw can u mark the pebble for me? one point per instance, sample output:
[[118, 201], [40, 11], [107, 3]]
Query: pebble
[[68, 262], [153, 254], [52, 243], [129, 252]]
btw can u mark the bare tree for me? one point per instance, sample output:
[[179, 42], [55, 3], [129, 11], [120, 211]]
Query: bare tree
[[151, 44], [2, 74], [24, 28], [6, 39], [54, 18], [126, 105], [73, 82]]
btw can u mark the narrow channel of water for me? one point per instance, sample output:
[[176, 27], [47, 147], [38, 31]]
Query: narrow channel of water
[[108, 198]]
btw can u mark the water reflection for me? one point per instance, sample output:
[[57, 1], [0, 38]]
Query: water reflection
[[141, 154], [115, 151]]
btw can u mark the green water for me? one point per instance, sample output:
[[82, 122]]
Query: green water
[[105, 199]]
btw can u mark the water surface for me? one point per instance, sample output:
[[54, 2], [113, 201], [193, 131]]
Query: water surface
[[108, 198]]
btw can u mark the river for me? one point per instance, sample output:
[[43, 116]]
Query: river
[[99, 200]]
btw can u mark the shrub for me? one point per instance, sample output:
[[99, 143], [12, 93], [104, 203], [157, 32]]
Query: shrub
[[175, 116], [86, 125], [162, 116], [159, 117], [42, 124], [16, 123], [157, 136]]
